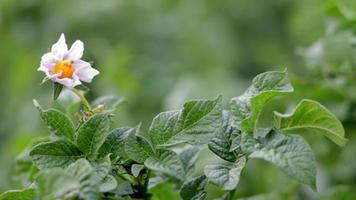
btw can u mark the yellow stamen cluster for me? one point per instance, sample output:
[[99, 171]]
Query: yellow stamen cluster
[[64, 66]]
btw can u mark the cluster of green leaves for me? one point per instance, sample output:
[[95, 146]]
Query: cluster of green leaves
[[88, 161]]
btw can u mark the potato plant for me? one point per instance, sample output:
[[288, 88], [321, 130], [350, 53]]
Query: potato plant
[[84, 157]]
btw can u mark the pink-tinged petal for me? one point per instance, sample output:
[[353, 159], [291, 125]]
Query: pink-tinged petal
[[68, 82], [59, 49], [48, 61], [76, 51], [84, 71]]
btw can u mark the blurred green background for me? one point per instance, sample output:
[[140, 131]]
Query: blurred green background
[[157, 54]]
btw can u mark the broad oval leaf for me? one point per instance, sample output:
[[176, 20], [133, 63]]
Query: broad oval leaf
[[25, 194], [311, 116], [247, 108], [167, 162], [291, 153], [91, 135], [58, 153], [226, 177], [57, 122], [114, 143], [196, 123], [194, 189]]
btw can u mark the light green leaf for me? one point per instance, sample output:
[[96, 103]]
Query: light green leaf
[[91, 135], [25, 194], [247, 108], [138, 148], [189, 156], [220, 144], [196, 123], [289, 152], [194, 189], [57, 122], [58, 153], [85, 174], [109, 102], [226, 177], [114, 143], [136, 169], [108, 184], [310, 116], [124, 188], [167, 162], [55, 184]]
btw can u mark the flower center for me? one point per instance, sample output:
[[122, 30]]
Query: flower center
[[64, 66]]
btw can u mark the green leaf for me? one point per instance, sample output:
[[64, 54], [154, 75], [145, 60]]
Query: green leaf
[[167, 162], [226, 177], [289, 152], [87, 177], [138, 148], [247, 108], [114, 143], [25, 194], [194, 189], [91, 135], [196, 123], [189, 156], [136, 169], [220, 144], [58, 153], [58, 123], [124, 188], [57, 89], [55, 184], [310, 116], [108, 184], [109, 102]]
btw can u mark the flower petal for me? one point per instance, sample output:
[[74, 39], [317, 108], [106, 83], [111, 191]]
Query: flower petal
[[84, 71], [59, 49], [48, 62], [68, 82], [76, 51]]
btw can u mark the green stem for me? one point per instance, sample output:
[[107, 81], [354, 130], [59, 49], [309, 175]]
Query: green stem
[[82, 98], [231, 194]]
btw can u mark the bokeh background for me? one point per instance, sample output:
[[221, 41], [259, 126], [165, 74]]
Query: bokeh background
[[157, 54]]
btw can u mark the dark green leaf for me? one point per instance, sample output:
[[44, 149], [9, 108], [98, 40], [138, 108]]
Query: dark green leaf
[[138, 148], [194, 189], [57, 89], [58, 123], [220, 144], [196, 123], [91, 135], [58, 153], [115, 142]]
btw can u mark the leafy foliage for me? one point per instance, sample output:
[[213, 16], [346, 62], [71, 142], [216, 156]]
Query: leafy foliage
[[91, 162]]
